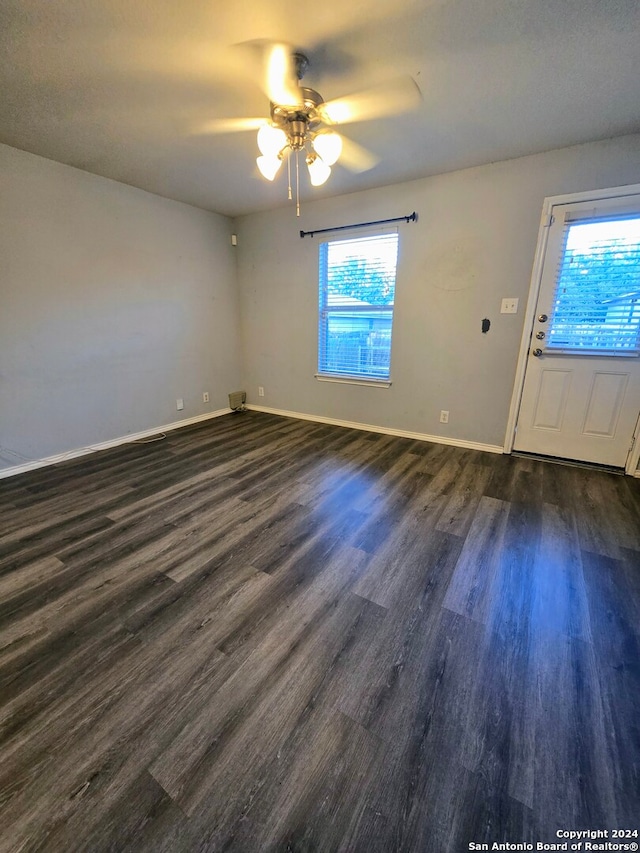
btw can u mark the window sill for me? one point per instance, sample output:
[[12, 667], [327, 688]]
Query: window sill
[[353, 380]]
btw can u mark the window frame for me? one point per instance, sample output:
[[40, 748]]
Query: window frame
[[325, 311]]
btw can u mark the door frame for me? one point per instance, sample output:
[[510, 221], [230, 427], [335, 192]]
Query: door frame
[[633, 459]]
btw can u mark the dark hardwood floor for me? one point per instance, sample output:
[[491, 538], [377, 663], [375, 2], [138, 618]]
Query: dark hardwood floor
[[263, 634]]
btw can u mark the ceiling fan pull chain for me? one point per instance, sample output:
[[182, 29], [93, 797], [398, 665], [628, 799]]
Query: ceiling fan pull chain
[[297, 185], [289, 176]]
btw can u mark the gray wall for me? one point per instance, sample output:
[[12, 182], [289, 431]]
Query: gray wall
[[473, 244], [113, 303]]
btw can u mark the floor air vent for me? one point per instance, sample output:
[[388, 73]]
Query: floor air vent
[[237, 399]]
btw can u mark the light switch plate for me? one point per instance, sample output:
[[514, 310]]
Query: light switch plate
[[509, 306]]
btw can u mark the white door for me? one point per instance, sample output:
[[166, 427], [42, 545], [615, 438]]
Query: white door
[[581, 395]]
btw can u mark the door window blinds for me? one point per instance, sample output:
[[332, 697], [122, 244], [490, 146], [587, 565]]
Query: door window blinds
[[597, 294]]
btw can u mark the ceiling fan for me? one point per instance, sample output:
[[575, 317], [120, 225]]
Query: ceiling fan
[[301, 122]]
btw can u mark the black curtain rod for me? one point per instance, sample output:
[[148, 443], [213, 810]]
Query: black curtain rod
[[413, 217]]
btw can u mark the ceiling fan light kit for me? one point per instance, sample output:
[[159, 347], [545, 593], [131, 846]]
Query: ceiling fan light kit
[[318, 162]]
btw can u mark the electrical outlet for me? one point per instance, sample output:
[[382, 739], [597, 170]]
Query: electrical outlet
[[205, 396], [509, 306], [179, 404], [260, 391], [444, 417]]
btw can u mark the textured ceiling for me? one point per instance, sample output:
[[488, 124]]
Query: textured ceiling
[[121, 88]]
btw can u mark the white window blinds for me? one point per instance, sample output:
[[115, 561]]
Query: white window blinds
[[597, 295], [357, 279]]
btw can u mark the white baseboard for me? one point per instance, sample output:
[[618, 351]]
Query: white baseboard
[[104, 445], [126, 439], [401, 433]]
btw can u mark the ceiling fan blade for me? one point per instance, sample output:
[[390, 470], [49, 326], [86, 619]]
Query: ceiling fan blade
[[355, 157], [396, 96], [229, 125], [280, 77]]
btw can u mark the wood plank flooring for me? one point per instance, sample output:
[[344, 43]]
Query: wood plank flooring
[[262, 634]]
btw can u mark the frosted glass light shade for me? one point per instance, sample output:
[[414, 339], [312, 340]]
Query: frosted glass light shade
[[318, 171], [328, 146], [271, 140], [269, 166]]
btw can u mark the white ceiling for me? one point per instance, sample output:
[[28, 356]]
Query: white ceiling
[[121, 87]]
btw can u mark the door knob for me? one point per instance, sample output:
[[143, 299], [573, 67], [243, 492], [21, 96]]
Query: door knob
[[542, 318], [537, 352]]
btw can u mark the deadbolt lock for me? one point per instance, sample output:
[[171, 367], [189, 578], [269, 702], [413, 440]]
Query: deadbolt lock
[[537, 352]]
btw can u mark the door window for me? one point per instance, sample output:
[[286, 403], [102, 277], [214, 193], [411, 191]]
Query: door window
[[596, 308]]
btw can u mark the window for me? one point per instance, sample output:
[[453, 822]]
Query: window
[[597, 295], [357, 291]]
